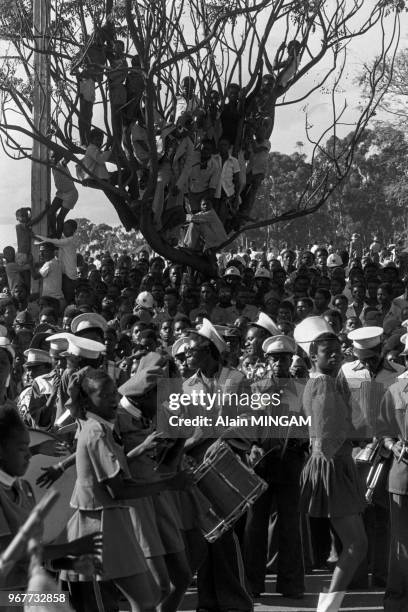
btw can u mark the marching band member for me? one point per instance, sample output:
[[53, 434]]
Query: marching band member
[[330, 483]]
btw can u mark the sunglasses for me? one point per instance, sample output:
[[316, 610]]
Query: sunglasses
[[181, 358]]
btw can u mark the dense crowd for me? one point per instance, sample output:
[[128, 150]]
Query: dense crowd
[[86, 351]]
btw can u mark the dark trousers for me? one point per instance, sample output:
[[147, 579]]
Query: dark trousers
[[85, 120], [396, 593], [284, 499], [221, 581], [376, 521], [68, 289]]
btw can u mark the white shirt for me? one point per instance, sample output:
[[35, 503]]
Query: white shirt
[[51, 273], [94, 162], [96, 417], [67, 254], [226, 181]]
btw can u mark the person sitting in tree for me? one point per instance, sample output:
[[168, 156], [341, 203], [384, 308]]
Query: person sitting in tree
[[205, 231]]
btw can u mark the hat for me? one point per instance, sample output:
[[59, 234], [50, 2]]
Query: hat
[[232, 271], [279, 344], [88, 320], [83, 347], [263, 273], [58, 343], [36, 357], [309, 330], [266, 323], [334, 261], [179, 347], [145, 300], [364, 339], [390, 264], [228, 331], [207, 330], [149, 370], [6, 345]]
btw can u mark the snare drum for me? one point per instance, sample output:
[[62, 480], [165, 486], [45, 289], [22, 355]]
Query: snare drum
[[56, 520], [230, 486]]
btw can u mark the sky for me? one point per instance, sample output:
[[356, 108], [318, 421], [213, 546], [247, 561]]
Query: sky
[[289, 129]]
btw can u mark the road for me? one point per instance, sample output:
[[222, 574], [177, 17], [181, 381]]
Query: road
[[355, 601]]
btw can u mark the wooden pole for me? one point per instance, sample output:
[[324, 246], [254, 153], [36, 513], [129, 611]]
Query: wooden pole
[[40, 173]]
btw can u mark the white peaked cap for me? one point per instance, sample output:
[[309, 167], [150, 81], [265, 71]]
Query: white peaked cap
[[82, 347], [309, 330], [366, 337], [267, 323], [207, 330]]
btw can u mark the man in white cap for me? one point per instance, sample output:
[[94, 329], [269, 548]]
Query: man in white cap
[[89, 325], [367, 379], [253, 364], [31, 402], [221, 575], [281, 468]]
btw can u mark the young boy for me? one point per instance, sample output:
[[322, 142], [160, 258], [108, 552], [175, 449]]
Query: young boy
[[51, 274], [16, 273], [67, 256]]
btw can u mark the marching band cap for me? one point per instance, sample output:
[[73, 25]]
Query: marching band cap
[[58, 343], [309, 330], [228, 331], [232, 271], [279, 344], [207, 330], [179, 347], [263, 273], [88, 320], [36, 357], [6, 345], [266, 323], [145, 379], [365, 339], [82, 347]]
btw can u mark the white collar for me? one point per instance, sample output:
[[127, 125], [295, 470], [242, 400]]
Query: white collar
[[92, 415], [7, 480]]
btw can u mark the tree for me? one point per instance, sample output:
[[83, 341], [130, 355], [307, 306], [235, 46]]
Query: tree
[[220, 43]]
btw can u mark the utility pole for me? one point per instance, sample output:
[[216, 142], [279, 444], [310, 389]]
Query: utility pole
[[40, 173]]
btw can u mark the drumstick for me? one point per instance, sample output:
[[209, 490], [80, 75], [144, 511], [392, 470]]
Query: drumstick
[[98, 595], [265, 454]]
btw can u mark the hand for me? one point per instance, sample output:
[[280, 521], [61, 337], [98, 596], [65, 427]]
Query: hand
[[397, 448], [51, 448], [151, 441], [87, 565], [182, 481], [211, 450], [49, 476], [255, 455], [87, 545]]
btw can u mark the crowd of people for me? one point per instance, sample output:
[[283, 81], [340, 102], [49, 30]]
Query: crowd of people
[[83, 357]]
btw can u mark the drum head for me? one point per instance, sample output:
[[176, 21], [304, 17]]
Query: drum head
[[55, 522]]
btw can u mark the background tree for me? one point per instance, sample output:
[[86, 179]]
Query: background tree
[[218, 43]]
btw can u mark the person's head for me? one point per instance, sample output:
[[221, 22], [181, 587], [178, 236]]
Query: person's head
[[96, 137], [352, 323], [20, 293], [171, 299], [306, 259], [166, 331], [267, 83], [358, 293], [301, 286], [6, 363], [334, 319], [8, 311], [372, 287], [84, 296], [279, 277], [156, 267], [69, 228], [372, 316], [294, 47], [384, 294], [158, 293], [233, 92], [286, 311], [224, 147], [207, 293], [101, 393], [205, 204], [9, 254], [303, 308], [47, 315], [47, 252], [137, 327], [206, 149], [180, 324], [337, 285], [188, 85], [340, 303], [325, 354], [146, 343], [254, 339], [200, 352], [288, 258], [23, 214], [14, 442], [322, 299], [175, 274]]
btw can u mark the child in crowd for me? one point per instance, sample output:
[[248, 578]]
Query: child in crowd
[[16, 273]]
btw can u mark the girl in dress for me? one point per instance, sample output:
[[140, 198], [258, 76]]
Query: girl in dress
[[330, 483], [104, 489]]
